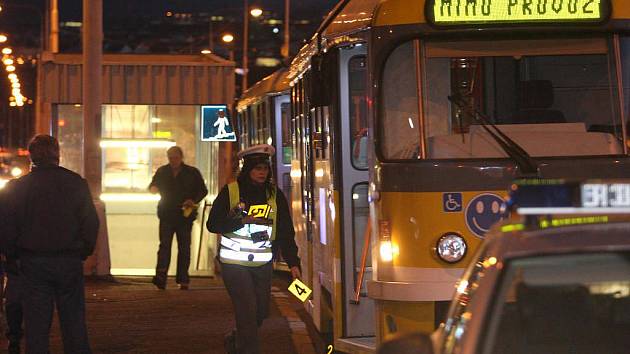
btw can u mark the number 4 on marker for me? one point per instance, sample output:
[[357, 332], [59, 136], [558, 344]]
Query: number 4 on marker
[[300, 290]]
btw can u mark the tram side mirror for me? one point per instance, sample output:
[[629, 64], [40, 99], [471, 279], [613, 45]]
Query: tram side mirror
[[321, 83], [407, 343]]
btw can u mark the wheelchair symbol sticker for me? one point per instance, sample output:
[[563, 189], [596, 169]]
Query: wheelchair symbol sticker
[[482, 212], [452, 202]]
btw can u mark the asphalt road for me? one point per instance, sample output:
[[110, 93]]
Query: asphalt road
[[131, 316]]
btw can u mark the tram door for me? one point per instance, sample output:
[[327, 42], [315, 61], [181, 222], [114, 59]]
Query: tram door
[[358, 315]]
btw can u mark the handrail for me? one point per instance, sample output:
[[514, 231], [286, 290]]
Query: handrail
[[366, 245]]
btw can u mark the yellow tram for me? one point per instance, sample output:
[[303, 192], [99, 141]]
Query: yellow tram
[[408, 121]]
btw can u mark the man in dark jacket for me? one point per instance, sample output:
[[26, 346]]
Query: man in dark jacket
[[181, 187], [51, 228], [12, 298]]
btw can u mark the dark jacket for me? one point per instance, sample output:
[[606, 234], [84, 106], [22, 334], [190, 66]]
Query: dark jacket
[[49, 212], [175, 190], [219, 221]]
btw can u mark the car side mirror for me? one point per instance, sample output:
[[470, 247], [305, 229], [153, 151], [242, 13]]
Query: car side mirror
[[407, 343]]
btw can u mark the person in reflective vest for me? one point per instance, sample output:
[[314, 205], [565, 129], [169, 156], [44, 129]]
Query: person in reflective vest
[[252, 218]]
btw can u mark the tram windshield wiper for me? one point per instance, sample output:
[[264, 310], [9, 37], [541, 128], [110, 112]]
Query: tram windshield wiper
[[527, 165]]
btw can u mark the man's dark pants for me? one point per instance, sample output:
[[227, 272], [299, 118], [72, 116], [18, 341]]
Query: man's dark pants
[[250, 292], [13, 307], [50, 281], [182, 231]]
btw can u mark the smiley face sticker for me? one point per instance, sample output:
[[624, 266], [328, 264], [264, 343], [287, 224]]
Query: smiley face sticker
[[483, 211]]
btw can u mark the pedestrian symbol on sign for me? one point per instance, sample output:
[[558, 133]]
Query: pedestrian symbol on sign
[[215, 124]]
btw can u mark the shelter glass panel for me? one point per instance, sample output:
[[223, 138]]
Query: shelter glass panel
[[69, 122]]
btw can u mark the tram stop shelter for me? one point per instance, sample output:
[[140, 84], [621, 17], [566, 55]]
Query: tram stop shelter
[[149, 103]]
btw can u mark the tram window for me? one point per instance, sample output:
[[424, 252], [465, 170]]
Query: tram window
[[239, 128], [287, 189], [286, 133], [268, 119], [250, 123], [320, 134], [545, 99], [399, 129], [551, 303], [293, 114], [546, 94], [357, 85]]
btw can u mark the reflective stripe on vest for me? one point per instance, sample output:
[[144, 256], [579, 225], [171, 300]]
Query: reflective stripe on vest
[[237, 247], [244, 258]]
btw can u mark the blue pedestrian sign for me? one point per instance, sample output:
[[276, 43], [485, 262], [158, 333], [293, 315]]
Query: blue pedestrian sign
[[452, 202], [215, 124]]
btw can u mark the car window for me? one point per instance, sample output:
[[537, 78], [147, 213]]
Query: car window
[[577, 303]]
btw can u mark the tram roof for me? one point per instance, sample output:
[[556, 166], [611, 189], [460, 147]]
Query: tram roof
[[272, 85], [346, 19], [350, 17]]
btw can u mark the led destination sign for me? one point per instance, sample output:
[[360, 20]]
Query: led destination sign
[[596, 195], [461, 12]]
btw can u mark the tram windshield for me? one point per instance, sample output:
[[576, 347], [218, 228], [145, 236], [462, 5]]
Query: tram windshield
[[552, 97], [578, 303]]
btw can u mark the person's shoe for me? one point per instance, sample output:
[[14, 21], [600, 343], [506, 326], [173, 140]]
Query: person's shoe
[[183, 286], [14, 347], [160, 283]]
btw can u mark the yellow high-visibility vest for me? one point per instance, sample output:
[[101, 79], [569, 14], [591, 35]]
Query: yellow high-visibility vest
[[238, 247]]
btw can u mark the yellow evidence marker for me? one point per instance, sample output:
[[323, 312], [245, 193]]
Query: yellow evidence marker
[[300, 290]]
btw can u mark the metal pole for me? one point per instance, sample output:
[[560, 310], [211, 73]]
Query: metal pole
[[245, 44], [210, 35], [286, 48], [92, 100], [54, 27]]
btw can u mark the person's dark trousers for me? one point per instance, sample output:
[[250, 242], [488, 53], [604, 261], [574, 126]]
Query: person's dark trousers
[[182, 230], [50, 281], [250, 292], [13, 310]]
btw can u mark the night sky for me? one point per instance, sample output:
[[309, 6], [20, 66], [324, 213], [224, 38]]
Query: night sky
[[70, 10]]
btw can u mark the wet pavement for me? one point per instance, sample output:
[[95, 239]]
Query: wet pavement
[[129, 315]]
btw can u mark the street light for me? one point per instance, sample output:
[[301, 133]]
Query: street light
[[256, 12], [3, 38], [206, 51], [227, 38]]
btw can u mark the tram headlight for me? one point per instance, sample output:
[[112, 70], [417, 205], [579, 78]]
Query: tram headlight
[[451, 247], [388, 250]]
